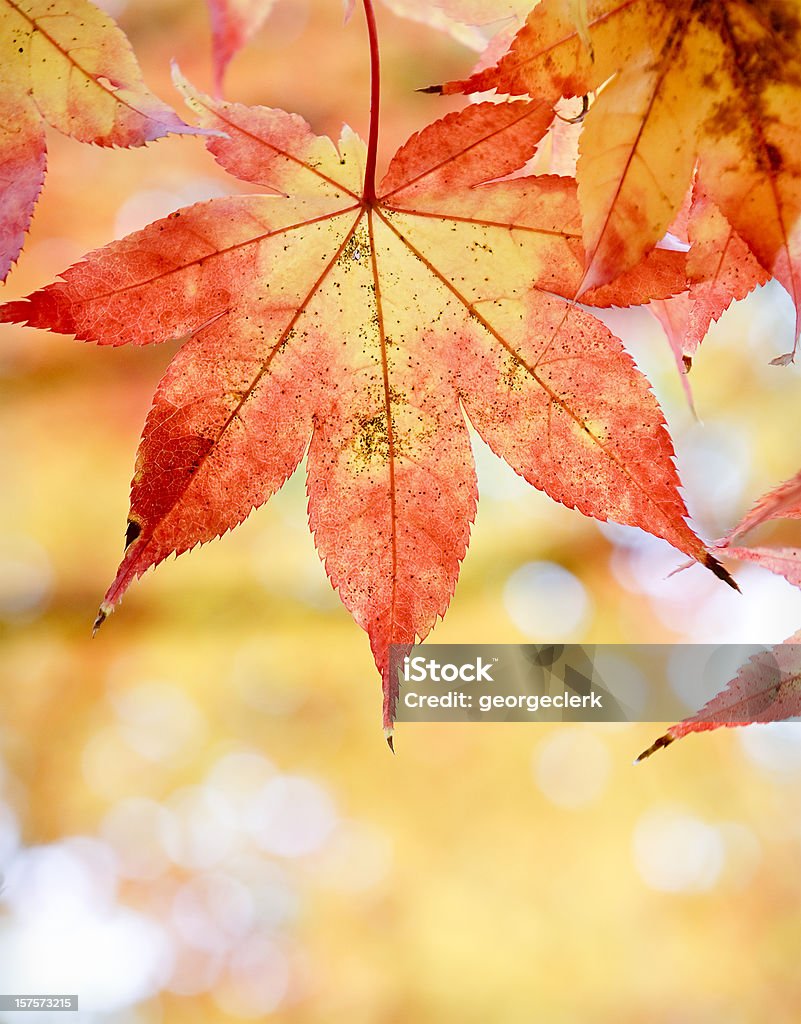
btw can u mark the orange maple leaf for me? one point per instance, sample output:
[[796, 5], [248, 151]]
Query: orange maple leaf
[[360, 325], [681, 82], [68, 65]]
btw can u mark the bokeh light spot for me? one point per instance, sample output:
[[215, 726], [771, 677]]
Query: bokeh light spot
[[675, 851], [546, 601], [571, 767]]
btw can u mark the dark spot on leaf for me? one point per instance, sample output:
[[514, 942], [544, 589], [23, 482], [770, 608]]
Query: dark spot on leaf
[[774, 157], [132, 532], [724, 120], [783, 18], [372, 440]]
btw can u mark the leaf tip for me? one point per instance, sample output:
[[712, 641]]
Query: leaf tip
[[663, 741], [102, 614], [15, 312], [191, 98], [434, 90], [389, 736], [183, 85], [720, 571], [595, 276]]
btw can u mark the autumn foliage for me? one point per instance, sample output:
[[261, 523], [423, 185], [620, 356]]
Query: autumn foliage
[[67, 65], [705, 88], [363, 324]]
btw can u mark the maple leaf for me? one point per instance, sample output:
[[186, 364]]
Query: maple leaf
[[714, 83], [498, 15], [68, 65], [782, 561], [782, 502], [767, 688], [233, 24], [359, 326], [462, 30], [720, 269], [673, 316]]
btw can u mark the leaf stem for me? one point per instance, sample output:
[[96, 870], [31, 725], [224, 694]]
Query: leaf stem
[[375, 101]]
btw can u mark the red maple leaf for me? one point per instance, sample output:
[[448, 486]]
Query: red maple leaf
[[359, 325]]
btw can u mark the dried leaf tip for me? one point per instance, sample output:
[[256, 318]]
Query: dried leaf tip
[[389, 736], [663, 741], [435, 90], [102, 614], [721, 572]]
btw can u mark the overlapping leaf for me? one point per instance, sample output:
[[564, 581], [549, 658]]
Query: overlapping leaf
[[506, 16], [65, 63], [233, 24], [465, 30], [714, 83], [783, 502], [464, 12], [782, 561], [767, 688], [361, 331], [720, 269]]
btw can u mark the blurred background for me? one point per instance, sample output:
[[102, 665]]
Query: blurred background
[[199, 817]]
